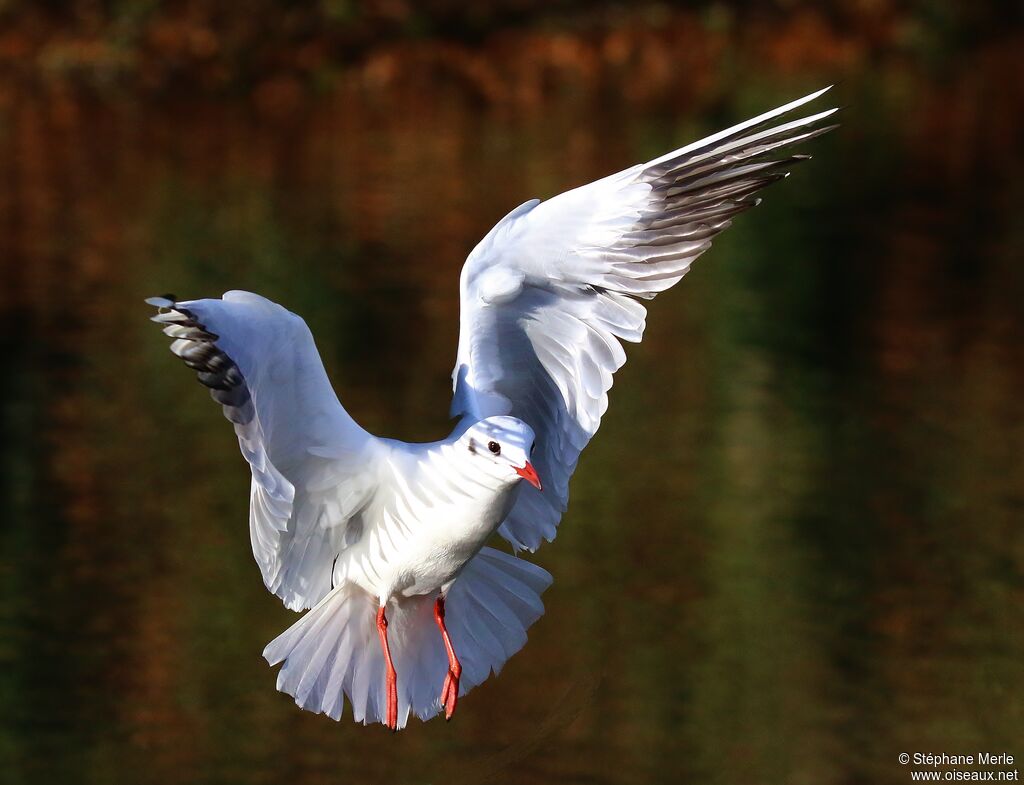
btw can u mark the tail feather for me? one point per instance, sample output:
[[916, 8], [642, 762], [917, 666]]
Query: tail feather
[[489, 609], [318, 665], [333, 651]]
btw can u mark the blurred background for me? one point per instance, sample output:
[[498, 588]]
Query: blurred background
[[793, 551]]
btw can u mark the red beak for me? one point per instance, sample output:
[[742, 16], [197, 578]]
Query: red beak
[[529, 474]]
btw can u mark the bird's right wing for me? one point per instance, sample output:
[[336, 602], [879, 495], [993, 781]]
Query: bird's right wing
[[313, 468]]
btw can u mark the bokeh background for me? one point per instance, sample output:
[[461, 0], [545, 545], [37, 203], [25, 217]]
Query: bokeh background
[[793, 551]]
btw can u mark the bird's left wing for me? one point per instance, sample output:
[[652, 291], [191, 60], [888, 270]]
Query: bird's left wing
[[313, 468], [549, 293]]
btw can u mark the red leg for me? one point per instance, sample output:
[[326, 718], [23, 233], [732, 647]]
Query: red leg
[[392, 675], [450, 690]]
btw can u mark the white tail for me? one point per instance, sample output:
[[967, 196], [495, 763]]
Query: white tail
[[334, 651]]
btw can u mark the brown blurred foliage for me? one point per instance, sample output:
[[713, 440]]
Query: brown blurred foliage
[[279, 47]]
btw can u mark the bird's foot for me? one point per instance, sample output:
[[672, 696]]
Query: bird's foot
[[392, 718], [450, 692], [392, 707]]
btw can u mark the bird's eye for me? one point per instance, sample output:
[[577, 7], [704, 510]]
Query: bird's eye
[[494, 447]]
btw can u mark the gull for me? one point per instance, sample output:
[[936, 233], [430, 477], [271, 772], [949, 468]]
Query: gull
[[384, 541]]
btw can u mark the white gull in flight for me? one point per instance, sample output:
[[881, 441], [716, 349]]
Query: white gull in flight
[[384, 540]]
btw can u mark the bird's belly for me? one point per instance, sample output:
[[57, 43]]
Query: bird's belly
[[431, 551], [433, 561]]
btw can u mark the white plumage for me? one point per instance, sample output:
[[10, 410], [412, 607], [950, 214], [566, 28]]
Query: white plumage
[[384, 540]]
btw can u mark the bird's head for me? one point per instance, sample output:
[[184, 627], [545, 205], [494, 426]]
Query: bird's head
[[503, 445]]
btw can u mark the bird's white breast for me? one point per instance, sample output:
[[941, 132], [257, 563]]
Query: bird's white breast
[[437, 515]]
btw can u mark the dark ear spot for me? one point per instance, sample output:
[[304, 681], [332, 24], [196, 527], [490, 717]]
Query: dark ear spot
[[472, 446]]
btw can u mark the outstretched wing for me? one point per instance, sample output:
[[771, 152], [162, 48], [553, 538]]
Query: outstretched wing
[[550, 292], [313, 467]]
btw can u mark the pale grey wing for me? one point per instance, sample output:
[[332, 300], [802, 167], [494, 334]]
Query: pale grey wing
[[313, 468], [552, 290]]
